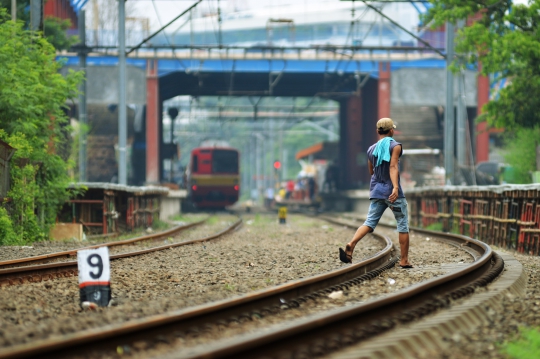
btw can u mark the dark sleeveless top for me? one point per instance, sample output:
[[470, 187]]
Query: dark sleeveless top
[[381, 185]]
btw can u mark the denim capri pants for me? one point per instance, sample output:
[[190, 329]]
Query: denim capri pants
[[399, 208]]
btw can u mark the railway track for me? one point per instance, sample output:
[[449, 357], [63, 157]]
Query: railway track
[[20, 271], [307, 337]]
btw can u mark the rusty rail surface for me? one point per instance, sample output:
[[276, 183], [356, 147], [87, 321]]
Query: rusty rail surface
[[330, 331], [43, 272], [262, 301], [73, 252]]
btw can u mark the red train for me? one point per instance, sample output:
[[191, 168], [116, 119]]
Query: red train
[[213, 178]]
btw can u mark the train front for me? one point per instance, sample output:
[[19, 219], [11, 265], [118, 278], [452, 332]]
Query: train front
[[214, 179]]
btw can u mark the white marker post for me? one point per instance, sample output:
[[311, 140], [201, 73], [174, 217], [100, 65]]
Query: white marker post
[[94, 276]]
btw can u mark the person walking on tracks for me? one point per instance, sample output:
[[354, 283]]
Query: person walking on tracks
[[384, 191]]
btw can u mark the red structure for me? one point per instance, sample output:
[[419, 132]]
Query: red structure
[[152, 122], [482, 133], [61, 9], [351, 144], [384, 90]]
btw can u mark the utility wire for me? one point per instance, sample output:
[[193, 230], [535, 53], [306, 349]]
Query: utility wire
[[163, 27], [404, 29]]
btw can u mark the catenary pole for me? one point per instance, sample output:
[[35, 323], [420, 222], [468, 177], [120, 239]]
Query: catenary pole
[[14, 10], [122, 118], [461, 143], [82, 99], [449, 109]]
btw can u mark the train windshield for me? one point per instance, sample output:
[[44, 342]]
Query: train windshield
[[225, 161]]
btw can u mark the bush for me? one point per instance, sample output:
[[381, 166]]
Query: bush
[[33, 120], [521, 153]]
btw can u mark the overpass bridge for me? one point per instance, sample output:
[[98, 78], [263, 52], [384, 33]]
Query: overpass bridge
[[365, 81]]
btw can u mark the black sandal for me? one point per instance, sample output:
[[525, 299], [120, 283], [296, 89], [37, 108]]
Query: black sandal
[[344, 257]]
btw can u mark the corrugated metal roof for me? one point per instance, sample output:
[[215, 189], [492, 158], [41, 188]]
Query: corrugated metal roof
[[118, 187]]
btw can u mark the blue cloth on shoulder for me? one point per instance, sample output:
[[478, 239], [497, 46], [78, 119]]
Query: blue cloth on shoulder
[[382, 150]]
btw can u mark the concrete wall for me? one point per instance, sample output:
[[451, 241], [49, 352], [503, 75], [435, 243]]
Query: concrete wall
[[427, 87], [102, 84], [171, 204]]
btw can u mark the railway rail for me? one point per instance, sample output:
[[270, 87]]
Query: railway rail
[[19, 271], [305, 338]]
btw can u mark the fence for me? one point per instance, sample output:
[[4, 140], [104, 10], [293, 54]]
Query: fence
[[506, 216]]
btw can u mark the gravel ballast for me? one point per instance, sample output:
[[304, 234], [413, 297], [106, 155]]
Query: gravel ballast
[[260, 254]]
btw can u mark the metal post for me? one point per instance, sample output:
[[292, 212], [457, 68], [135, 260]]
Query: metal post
[[14, 10], [122, 118], [449, 110], [35, 14], [257, 166], [95, 21], [461, 142], [82, 98]]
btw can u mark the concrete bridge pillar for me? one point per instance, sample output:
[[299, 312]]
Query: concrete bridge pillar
[[357, 120], [350, 144], [152, 122]]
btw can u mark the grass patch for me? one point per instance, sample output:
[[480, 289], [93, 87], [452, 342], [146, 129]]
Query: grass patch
[[435, 227], [160, 225], [526, 346], [187, 218]]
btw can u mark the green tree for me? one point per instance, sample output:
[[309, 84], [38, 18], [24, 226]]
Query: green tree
[[505, 40], [32, 119], [520, 153], [54, 29]]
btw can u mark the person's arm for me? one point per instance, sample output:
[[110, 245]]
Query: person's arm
[[394, 172], [370, 167]]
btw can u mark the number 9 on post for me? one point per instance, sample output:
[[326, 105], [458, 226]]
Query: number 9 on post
[[94, 275]]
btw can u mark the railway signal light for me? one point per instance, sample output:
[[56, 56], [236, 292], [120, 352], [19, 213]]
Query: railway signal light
[[277, 165]]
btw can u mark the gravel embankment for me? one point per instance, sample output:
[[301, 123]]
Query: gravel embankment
[[504, 326]]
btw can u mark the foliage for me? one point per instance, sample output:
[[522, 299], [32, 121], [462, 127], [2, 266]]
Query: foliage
[[521, 153], [54, 30], [526, 346], [504, 39], [32, 118]]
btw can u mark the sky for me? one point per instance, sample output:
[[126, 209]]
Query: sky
[[162, 11], [168, 9]]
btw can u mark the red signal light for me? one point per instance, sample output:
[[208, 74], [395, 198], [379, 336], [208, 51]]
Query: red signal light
[[236, 187], [194, 187], [277, 165]]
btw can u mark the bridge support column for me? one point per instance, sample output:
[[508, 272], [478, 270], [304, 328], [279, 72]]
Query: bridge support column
[[350, 145], [152, 122], [482, 132], [384, 90]]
